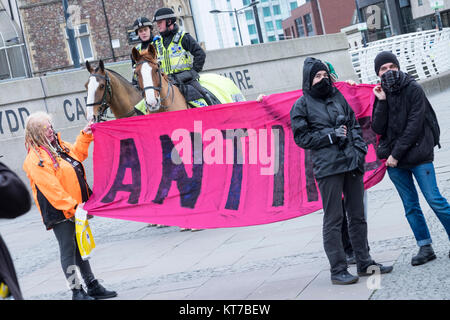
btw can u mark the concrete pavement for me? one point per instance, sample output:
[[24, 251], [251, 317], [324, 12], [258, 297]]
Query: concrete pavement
[[283, 260]]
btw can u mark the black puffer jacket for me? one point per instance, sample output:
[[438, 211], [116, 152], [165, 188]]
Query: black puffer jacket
[[313, 122], [400, 120]]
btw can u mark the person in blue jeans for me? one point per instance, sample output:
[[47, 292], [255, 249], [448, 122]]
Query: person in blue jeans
[[407, 141]]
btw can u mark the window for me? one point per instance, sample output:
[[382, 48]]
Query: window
[[269, 26], [300, 28], [309, 25], [249, 15], [246, 2], [279, 24], [272, 38], [254, 41], [82, 38], [420, 3], [276, 10], [293, 5], [251, 29], [266, 12]]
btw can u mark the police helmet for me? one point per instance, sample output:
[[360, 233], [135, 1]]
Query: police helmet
[[165, 14], [142, 22]]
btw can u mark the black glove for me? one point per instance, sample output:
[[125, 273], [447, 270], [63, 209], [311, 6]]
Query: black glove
[[341, 132]]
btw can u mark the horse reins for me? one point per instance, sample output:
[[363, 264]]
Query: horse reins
[[103, 102], [159, 88]]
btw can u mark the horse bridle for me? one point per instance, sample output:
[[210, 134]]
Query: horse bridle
[[158, 88], [103, 102]]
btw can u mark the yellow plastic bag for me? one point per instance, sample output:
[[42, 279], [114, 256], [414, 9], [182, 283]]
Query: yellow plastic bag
[[85, 240], [4, 291]]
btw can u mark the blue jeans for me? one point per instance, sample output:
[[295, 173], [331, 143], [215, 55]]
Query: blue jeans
[[426, 179]]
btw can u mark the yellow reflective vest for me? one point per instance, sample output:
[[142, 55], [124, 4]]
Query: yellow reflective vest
[[175, 58]]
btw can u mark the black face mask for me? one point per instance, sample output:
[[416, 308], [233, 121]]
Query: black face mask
[[390, 80], [322, 89]]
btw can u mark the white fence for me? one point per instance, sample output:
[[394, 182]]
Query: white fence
[[421, 54]]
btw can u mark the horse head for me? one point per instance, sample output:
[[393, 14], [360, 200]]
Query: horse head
[[149, 76], [98, 88]]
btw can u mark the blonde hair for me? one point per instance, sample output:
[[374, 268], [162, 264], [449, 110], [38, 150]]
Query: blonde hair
[[35, 138]]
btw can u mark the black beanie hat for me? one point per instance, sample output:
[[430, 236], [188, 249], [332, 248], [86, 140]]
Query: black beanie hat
[[318, 66], [385, 57]]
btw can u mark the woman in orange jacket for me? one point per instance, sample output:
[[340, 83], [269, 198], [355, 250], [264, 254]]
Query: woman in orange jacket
[[59, 187]]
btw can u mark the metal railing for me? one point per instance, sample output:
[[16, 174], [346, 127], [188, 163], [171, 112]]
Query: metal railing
[[421, 54]]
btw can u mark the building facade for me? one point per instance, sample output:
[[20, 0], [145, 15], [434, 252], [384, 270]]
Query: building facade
[[319, 17], [424, 15], [103, 30], [236, 23]]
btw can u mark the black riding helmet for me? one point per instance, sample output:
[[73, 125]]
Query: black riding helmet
[[165, 14], [142, 22]]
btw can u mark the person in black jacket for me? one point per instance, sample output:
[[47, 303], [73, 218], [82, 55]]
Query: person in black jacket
[[15, 201], [323, 122], [407, 142], [180, 55]]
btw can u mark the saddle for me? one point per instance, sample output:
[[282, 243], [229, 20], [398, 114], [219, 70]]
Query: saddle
[[193, 92]]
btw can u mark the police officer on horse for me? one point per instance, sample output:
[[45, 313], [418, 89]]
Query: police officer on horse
[[179, 55], [144, 30]]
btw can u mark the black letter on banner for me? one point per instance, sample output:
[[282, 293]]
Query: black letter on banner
[[80, 109], [67, 102], [21, 110], [189, 188], [311, 189], [16, 128], [278, 179], [128, 159], [371, 139], [234, 194]]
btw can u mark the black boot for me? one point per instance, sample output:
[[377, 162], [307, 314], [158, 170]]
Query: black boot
[[344, 277], [371, 269], [97, 291], [426, 253], [80, 294]]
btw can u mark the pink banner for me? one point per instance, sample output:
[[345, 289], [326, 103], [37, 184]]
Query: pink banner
[[222, 166]]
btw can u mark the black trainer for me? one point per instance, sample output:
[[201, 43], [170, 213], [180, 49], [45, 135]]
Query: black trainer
[[426, 253], [97, 291], [80, 294], [372, 268], [344, 277]]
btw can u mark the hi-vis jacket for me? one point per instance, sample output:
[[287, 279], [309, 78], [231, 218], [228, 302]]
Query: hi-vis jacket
[[174, 58], [58, 191]]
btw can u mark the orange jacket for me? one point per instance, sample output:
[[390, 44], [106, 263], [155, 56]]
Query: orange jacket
[[57, 191]]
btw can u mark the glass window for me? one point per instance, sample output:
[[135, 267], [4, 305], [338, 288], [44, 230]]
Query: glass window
[[300, 28], [269, 26], [378, 26], [309, 25], [254, 41], [293, 5], [266, 12], [276, 10], [420, 3], [272, 38], [279, 24], [249, 15], [82, 37], [251, 29], [246, 2]]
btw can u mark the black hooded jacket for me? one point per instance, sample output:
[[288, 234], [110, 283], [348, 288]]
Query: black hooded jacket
[[189, 44], [400, 120], [15, 200], [313, 122]]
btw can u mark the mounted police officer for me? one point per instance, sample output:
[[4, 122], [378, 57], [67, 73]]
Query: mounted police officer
[[144, 30], [179, 55]]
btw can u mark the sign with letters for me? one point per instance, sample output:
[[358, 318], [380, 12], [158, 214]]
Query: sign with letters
[[221, 166]]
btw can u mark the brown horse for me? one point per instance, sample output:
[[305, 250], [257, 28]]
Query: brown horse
[[108, 89], [161, 95]]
